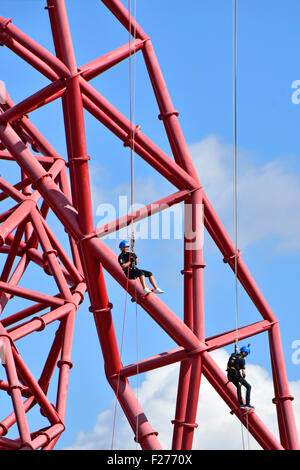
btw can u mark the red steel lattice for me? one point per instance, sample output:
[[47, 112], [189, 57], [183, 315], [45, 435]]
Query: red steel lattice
[[25, 233]]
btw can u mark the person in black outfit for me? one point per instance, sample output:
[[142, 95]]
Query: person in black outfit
[[235, 366], [128, 262]]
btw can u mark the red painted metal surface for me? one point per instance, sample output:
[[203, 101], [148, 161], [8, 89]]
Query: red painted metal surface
[[25, 235]]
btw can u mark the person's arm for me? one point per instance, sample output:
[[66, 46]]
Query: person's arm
[[243, 367], [121, 261], [125, 265]]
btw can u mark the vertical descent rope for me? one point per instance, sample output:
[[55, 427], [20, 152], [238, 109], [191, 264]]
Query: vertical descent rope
[[235, 198], [132, 239], [234, 94], [132, 86]]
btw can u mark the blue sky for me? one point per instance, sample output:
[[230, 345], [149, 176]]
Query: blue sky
[[194, 47]]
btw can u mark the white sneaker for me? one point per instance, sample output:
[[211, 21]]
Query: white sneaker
[[158, 291], [146, 290]]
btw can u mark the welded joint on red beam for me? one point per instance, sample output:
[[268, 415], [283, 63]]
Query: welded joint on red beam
[[9, 338], [226, 259], [71, 302], [4, 39], [5, 429], [13, 387], [48, 437], [63, 362], [166, 115], [200, 350], [5, 23], [184, 424], [101, 310], [74, 160], [187, 272], [280, 399], [198, 266], [46, 254], [81, 295], [86, 238], [140, 439], [140, 298], [129, 141], [35, 183], [270, 324], [43, 323]]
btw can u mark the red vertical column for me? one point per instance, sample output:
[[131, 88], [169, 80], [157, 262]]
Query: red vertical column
[[197, 267], [185, 366], [283, 399]]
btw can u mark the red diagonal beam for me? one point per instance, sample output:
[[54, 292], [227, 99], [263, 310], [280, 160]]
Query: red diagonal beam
[[32, 102], [140, 214], [101, 64], [35, 48]]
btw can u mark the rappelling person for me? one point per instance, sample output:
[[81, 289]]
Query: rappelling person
[[236, 374], [128, 261]]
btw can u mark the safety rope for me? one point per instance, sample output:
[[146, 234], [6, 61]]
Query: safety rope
[[132, 235], [234, 128], [235, 189], [132, 86], [234, 95]]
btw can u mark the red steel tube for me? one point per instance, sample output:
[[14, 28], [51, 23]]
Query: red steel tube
[[15, 391], [143, 431], [36, 390], [65, 364], [283, 400], [101, 64], [142, 213], [33, 101], [30, 294], [122, 14], [197, 267], [28, 56], [36, 49], [11, 191], [16, 218], [12, 253]]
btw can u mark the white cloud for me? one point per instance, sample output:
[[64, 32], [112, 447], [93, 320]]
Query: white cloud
[[268, 194], [217, 429]]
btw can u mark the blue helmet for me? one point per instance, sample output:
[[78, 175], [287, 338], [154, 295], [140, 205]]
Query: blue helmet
[[123, 244], [245, 349]]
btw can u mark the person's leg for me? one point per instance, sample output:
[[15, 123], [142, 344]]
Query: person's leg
[[148, 274], [239, 393], [236, 382], [143, 281], [248, 390], [152, 280]]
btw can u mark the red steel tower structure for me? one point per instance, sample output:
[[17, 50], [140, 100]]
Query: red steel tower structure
[[27, 239]]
